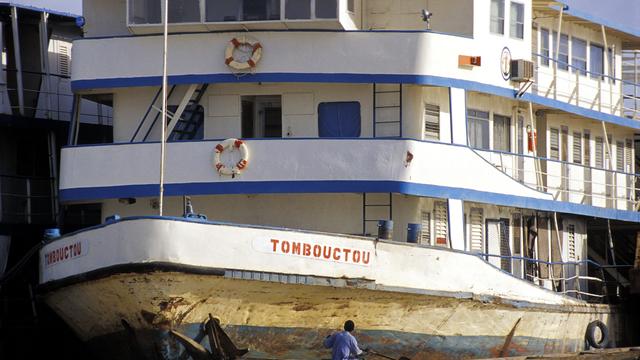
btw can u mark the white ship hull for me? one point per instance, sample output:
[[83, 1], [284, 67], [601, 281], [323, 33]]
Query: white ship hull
[[279, 292]]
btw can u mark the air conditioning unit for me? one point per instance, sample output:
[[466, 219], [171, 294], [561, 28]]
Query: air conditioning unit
[[521, 70]]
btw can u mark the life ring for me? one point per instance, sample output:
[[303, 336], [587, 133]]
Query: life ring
[[240, 165], [256, 53], [591, 335]]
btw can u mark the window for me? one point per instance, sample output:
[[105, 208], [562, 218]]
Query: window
[[476, 231], [587, 148], [145, 12], [297, 9], [544, 47], [261, 116], [612, 65], [554, 144], [431, 122], [425, 233], [478, 129], [501, 133], [577, 148], [497, 16], [441, 228], [596, 54], [326, 9], [516, 29], [619, 155], [339, 119], [579, 55], [242, 10], [184, 11], [563, 54], [599, 152]]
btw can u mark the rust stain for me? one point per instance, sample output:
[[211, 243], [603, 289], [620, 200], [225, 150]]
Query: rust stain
[[303, 307]]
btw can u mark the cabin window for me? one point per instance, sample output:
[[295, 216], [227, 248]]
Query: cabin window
[[579, 55], [599, 152], [431, 122], [184, 11], [554, 144], [311, 9], [596, 55], [577, 148], [497, 16], [476, 230], [297, 9], [562, 57], [242, 10], [441, 223], [544, 47], [339, 119], [516, 29], [327, 9], [478, 128], [620, 156], [425, 233], [501, 133], [261, 116], [145, 12]]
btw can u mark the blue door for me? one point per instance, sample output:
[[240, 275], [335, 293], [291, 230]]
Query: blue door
[[339, 119]]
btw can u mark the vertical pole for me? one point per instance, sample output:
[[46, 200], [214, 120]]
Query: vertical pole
[[16, 51], [163, 123], [607, 66], [44, 61], [53, 174], [556, 54]]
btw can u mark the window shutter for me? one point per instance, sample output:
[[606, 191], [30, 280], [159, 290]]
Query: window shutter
[[431, 122], [441, 223], [577, 148], [64, 59], [425, 234], [620, 156], [599, 152], [554, 144], [476, 238]]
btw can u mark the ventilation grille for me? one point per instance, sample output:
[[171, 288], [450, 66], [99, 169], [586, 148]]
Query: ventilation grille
[[431, 122], [64, 59], [521, 70], [441, 223], [476, 230], [571, 242], [425, 234]]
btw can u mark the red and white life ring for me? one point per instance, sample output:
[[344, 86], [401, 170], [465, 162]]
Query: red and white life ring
[[240, 165], [256, 53]]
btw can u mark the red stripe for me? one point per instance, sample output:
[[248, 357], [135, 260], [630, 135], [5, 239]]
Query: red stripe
[[251, 63], [228, 60], [235, 42], [219, 148], [238, 143], [219, 166], [256, 47]]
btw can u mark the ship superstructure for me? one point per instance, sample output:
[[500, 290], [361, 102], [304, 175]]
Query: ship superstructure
[[497, 136]]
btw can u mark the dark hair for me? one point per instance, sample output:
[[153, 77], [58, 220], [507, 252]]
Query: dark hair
[[349, 326]]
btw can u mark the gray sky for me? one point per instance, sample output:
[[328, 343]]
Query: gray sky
[[626, 12]]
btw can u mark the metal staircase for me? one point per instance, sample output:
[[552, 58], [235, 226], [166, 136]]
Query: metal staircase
[[375, 207], [387, 110], [179, 127]]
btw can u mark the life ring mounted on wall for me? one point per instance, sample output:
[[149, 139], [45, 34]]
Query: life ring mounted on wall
[[231, 144], [243, 53]]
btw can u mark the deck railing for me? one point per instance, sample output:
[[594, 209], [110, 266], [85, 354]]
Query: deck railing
[[585, 88], [27, 200], [583, 279], [567, 181]]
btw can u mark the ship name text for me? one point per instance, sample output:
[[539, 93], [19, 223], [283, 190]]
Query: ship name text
[[321, 252], [64, 253]]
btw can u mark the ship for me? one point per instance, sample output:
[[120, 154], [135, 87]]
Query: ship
[[457, 178]]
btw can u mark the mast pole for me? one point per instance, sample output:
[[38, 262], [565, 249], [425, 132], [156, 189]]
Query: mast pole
[[163, 124]]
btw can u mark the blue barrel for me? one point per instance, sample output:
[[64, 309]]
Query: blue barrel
[[51, 233], [385, 229], [413, 233], [112, 218]]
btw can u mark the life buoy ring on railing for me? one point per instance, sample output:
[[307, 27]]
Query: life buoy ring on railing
[[240, 165], [603, 340], [234, 44]]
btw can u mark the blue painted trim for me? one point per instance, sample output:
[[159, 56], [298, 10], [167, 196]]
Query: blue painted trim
[[40, 9], [278, 31], [352, 186], [598, 20], [79, 85]]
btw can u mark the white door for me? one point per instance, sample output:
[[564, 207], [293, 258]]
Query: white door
[[493, 241]]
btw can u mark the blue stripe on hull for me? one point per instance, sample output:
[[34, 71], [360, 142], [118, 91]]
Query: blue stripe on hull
[[302, 343]]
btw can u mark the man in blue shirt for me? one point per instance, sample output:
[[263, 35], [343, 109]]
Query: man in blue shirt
[[343, 345]]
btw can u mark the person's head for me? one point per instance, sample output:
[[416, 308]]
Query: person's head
[[349, 326]]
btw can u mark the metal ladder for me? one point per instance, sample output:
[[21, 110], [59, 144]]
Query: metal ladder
[[387, 110], [147, 114], [375, 206], [187, 127]]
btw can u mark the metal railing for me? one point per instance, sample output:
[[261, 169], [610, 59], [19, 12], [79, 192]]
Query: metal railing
[[53, 100], [583, 279], [583, 87], [27, 200], [565, 181]]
